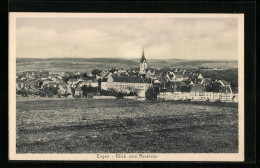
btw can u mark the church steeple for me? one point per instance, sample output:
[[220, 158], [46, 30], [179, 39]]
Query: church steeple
[[143, 58], [143, 64]]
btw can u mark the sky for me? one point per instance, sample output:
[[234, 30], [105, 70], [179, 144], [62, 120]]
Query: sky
[[161, 38]]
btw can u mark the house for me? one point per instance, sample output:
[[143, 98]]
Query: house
[[90, 74], [78, 92], [49, 83], [62, 88], [176, 76], [122, 71], [91, 82], [73, 81], [205, 81], [103, 74], [132, 73], [226, 93], [200, 76], [150, 74]]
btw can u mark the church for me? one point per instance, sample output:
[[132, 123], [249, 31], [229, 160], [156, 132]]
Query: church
[[149, 74], [143, 64], [123, 83]]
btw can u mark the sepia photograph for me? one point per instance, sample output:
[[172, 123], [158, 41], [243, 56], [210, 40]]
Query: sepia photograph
[[126, 86]]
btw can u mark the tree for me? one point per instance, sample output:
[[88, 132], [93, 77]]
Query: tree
[[150, 94], [95, 71], [65, 79], [112, 70], [216, 87], [88, 89], [120, 95], [85, 75]]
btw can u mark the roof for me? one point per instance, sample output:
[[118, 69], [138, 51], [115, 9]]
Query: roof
[[207, 79], [128, 79], [224, 82], [143, 58], [78, 89], [104, 80], [91, 81], [225, 89], [197, 88], [132, 73], [156, 81], [72, 80], [158, 73], [162, 79], [106, 75], [63, 84], [178, 74]]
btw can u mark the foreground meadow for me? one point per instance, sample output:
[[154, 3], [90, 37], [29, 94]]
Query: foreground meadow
[[114, 126]]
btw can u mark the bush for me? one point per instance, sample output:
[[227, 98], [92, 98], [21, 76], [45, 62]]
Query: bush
[[150, 94], [119, 95]]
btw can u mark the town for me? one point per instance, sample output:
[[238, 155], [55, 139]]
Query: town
[[144, 83]]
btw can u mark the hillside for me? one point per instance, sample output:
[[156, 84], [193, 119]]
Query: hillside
[[87, 64]]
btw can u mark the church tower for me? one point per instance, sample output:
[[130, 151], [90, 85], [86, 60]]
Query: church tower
[[143, 64]]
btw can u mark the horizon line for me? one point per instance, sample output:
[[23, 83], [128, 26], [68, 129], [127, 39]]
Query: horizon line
[[128, 58]]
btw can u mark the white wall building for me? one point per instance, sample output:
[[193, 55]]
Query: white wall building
[[125, 84]]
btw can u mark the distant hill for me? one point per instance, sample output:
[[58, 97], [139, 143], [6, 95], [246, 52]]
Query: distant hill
[[87, 64]]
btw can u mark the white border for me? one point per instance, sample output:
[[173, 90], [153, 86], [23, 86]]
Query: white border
[[93, 157]]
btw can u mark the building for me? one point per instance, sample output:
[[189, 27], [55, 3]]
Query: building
[[78, 92], [176, 76], [90, 82], [150, 74], [62, 88], [200, 76], [143, 64], [226, 93], [197, 92], [73, 81], [125, 84]]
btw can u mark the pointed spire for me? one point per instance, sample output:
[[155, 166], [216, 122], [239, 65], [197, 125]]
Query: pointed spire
[[143, 57]]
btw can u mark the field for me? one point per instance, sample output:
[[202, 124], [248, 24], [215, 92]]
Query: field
[[88, 64], [114, 126]]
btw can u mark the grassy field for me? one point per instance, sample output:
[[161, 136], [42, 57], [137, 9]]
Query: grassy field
[[87, 64], [87, 126]]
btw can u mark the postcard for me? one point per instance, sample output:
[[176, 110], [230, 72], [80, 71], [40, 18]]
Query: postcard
[[126, 86]]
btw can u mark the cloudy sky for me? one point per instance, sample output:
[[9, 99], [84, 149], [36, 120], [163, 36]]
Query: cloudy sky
[[162, 38]]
